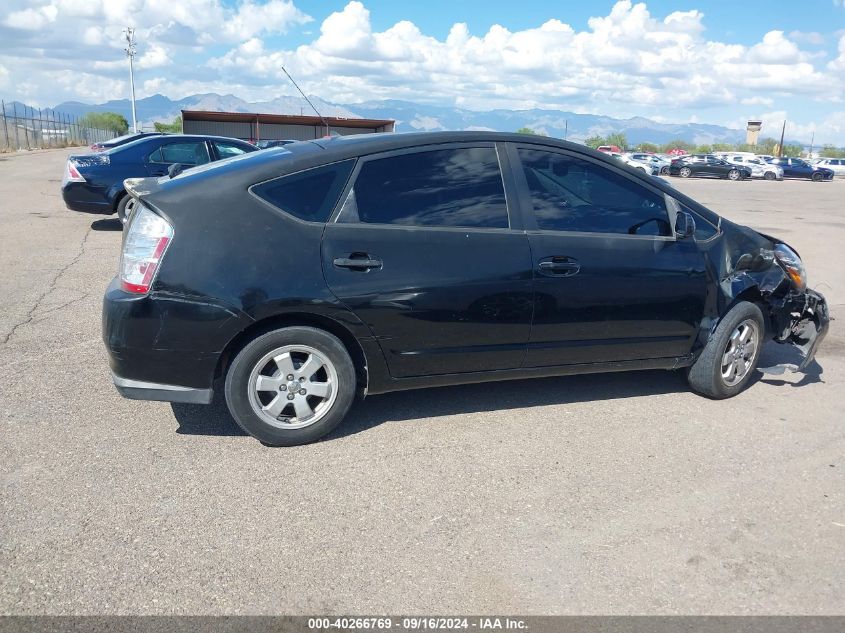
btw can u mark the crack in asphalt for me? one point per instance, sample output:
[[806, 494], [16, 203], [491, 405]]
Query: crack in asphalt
[[50, 288]]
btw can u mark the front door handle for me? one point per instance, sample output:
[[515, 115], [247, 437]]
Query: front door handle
[[559, 266], [358, 261]]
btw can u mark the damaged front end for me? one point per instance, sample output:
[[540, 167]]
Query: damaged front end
[[773, 271], [803, 321]]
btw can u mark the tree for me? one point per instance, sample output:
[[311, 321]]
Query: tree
[[724, 147], [169, 128], [105, 121], [650, 148], [766, 146], [703, 149], [829, 151], [792, 150], [618, 139], [595, 141], [689, 147]]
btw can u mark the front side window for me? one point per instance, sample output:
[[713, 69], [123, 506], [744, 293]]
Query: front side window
[[572, 194], [459, 187], [191, 153]]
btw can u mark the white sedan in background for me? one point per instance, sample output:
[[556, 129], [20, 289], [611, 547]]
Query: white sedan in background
[[759, 168], [651, 159], [836, 165]]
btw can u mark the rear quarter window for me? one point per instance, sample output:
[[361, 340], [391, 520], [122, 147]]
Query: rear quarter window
[[309, 195]]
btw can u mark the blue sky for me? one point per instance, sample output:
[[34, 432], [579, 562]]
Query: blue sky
[[687, 60]]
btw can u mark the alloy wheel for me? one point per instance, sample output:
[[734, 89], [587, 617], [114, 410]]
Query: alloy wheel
[[292, 387], [741, 352]]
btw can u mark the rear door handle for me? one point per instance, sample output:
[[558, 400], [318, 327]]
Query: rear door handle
[[358, 261], [559, 266]]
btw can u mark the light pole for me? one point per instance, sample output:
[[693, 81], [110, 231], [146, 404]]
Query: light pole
[[130, 53]]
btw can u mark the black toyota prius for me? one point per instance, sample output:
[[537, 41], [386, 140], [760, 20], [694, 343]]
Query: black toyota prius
[[295, 279]]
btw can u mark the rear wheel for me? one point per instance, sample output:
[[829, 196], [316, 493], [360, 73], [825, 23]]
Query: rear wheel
[[291, 386], [817, 177], [685, 172], [734, 174], [727, 363], [664, 171]]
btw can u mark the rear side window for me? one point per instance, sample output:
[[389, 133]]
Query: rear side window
[[459, 187], [227, 150], [572, 194], [309, 195]]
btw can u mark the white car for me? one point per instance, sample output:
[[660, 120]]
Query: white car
[[759, 167], [836, 165], [650, 169], [651, 159]]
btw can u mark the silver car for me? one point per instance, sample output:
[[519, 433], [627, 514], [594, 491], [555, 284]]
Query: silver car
[[759, 168]]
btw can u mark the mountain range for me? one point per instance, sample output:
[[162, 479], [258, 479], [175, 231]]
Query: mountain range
[[412, 116]]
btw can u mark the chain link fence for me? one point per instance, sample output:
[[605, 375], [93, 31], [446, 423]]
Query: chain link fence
[[22, 127]]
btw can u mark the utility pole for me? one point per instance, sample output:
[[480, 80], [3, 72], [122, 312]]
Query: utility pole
[[129, 32], [566, 129], [780, 147], [812, 142]]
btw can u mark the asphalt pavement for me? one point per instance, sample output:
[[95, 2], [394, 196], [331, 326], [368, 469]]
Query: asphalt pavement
[[599, 494]]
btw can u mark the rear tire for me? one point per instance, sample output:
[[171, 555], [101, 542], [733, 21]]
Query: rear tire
[[685, 172], [729, 360], [290, 386], [664, 171]]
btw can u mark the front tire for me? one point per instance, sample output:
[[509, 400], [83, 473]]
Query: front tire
[[664, 171], [729, 360], [734, 174], [817, 177], [122, 214], [291, 386]]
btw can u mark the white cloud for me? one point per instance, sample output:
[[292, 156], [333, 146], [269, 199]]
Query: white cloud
[[628, 61], [31, 19]]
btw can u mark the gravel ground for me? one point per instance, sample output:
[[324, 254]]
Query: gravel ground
[[619, 493]]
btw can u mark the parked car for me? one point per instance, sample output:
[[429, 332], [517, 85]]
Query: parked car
[[836, 165], [759, 168], [650, 169], [93, 183], [295, 278], [265, 143], [121, 140], [660, 162], [707, 166], [609, 149], [800, 168]]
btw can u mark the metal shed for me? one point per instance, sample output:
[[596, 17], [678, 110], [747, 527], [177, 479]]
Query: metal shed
[[255, 127]]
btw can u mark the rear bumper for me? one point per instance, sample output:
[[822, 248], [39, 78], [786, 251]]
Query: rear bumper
[[77, 197], [165, 347], [141, 390]]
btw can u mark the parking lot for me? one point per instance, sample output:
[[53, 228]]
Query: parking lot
[[611, 494]]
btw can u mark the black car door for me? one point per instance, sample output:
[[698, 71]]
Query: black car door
[[425, 252], [611, 282], [186, 152]]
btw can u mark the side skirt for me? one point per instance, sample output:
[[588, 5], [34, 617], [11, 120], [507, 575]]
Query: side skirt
[[444, 380]]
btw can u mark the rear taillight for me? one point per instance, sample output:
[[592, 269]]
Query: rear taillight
[[146, 242], [72, 173]]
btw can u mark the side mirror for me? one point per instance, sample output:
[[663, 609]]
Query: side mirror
[[684, 225], [174, 170]]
